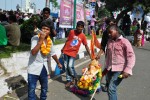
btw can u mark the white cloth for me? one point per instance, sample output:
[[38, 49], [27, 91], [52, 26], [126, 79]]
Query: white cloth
[[37, 61], [26, 18]]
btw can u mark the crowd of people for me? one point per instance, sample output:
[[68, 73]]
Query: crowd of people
[[120, 57], [11, 22]]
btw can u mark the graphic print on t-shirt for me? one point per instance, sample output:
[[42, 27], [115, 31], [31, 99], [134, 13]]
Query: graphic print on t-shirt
[[75, 41]]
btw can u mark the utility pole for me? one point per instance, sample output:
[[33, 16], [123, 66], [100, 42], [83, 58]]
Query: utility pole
[[5, 4], [11, 4], [21, 6], [74, 18]]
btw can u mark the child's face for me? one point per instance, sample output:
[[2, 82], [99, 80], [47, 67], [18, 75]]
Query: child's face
[[46, 30], [79, 28], [45, 14], [112, 33]]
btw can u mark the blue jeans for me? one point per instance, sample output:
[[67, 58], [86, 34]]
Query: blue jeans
[[69, 65], [113, 81], [32, 82]]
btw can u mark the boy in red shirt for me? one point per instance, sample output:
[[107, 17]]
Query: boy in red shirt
[[70, 50]]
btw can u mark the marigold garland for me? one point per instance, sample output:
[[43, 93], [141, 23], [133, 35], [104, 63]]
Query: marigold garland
[[90, 84], [45, 49], [89, 81]]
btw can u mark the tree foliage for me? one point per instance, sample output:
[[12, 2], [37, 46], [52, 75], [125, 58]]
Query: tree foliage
[[126, 5], [27, 28], [54, 3], [103, 13]]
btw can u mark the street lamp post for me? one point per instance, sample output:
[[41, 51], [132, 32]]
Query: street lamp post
[[11, 4], [21, 5], [5, 4], [74, 19]]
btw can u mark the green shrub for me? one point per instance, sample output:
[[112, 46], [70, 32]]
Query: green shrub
[[6, 51], [27, 28]]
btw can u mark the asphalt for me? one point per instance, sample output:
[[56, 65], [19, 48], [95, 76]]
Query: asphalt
[[135, 87]]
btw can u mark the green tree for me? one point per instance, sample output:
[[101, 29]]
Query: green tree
[[126, 5], [54, 4]]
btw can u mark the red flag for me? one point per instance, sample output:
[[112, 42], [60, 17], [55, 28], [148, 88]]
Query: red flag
[[94, 42]]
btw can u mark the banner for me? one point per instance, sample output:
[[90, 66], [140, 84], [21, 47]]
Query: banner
[[88, 17], [66, 14], [137, 13], [79, 13]]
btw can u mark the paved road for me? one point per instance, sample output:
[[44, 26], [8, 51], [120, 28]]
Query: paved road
[[136, 87]]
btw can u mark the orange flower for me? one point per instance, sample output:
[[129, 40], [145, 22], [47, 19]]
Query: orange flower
[[45, 49]]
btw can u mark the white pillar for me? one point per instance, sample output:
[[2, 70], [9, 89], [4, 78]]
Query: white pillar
[[47, 3], [27, 5]]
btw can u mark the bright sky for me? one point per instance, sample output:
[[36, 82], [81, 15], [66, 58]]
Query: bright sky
[[11, 4]]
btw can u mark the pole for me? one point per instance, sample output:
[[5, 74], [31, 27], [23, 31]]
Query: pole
[[74, 20], [21, 5], [5, 4], [11, 4]]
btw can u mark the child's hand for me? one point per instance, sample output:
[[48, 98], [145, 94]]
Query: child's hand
[[42, 37], [59, 65], [125, 75], [97, 57], [49, 76], [61, 50], [105, 71]]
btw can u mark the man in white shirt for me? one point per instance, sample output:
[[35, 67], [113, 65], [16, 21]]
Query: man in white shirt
[[41, 47]]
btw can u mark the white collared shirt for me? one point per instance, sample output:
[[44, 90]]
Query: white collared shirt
[[37, 61]]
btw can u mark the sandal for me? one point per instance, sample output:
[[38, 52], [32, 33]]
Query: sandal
[[70, 84], [67, 84]]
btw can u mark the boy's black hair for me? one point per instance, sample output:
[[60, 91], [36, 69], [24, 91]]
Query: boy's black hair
[[3, 17], [113, 27], [46, 9], [47, 24], [80, 23], [110, 19], [138, 26], [93, 16], [12, 18]]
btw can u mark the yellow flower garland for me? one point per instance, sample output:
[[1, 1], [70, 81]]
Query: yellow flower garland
[[45, 49]]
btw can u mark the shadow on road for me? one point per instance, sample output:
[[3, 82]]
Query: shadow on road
[[60, 79], [19, 88], [144, 49]]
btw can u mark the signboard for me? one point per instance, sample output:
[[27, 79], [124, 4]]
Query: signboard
[[137, 13], [93, 4], [79, 13], [88, 17], [66, 14]]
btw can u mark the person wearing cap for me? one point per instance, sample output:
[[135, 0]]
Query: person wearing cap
[[41, 47], [70, 50]]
